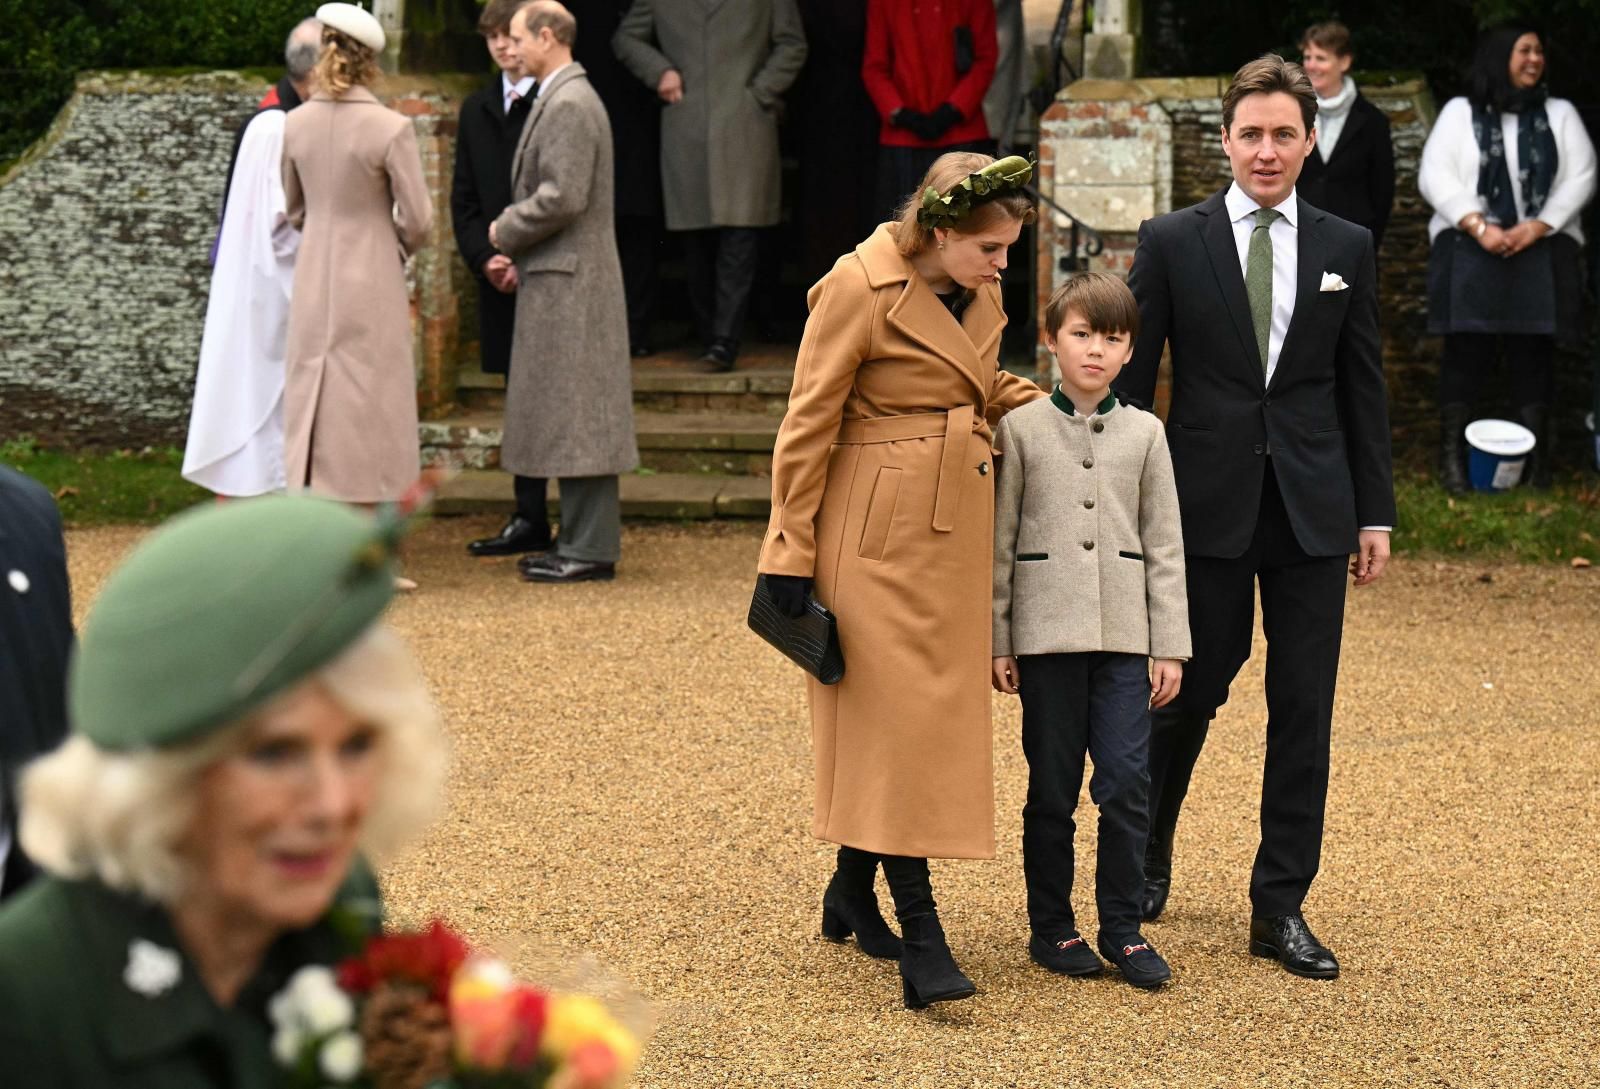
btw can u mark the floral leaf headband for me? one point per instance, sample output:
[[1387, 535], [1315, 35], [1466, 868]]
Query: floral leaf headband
[[1001, 176]]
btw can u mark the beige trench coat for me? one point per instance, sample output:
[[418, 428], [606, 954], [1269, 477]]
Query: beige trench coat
[[883, 491], [353, 182], [569, 396], [719, 143]]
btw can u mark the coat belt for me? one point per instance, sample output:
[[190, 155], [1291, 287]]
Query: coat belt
[[954, 426]]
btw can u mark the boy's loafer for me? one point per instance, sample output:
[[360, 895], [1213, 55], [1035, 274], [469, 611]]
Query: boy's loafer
[[1069, 956], [1137, 960]]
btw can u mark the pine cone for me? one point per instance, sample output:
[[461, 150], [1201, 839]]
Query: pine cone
[[406, 1036]]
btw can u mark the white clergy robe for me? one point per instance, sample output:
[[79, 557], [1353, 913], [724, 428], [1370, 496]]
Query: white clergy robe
[[235, 443]]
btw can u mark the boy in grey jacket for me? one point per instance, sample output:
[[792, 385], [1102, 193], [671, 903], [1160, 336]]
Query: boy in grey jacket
[[1088, 588]]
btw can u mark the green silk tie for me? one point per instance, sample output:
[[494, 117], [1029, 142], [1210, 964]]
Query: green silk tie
[[1258, 278]]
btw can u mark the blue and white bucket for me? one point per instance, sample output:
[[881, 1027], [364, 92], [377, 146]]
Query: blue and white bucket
[[1496, 453]]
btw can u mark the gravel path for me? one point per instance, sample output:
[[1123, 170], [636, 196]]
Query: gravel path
[[632, 778]]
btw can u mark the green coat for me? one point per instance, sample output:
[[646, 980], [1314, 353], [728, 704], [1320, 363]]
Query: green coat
[[70, 1020]]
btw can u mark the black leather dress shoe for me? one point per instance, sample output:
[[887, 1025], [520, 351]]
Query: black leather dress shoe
[[1069, 956], [1137, 960], [641, 350], [516, 536], [1289, 941], [719, 358], [1157, 879], [553, 568]]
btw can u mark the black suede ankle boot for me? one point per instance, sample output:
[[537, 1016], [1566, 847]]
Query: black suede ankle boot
[[928, 972], [1453, 448], [849, 906]]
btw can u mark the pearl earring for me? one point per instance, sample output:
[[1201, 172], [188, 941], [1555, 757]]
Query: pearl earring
[[941, 245]]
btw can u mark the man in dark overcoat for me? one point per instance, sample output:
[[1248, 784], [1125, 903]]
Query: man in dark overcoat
[[1279, 431], [721, 67], [35, 638], [490, 125]]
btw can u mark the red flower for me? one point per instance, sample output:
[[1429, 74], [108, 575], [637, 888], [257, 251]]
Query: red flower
[[428, 959], [532, 1006]]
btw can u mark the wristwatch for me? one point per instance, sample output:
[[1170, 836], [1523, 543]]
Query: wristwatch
[[1479, 227]]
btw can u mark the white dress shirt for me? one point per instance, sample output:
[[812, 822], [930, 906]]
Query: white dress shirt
[[521, 87], [1285, 236], [548, 76]]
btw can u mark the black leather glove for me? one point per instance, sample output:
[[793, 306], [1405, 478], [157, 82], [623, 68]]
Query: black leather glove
[[915, 122], [789, 593], [942, 120]]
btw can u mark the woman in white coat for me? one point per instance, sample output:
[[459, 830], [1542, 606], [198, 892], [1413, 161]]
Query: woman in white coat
[[1507, 170]]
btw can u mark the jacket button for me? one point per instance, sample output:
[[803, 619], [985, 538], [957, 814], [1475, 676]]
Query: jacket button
[[1088, 546], [1098, 427], [1088, 463], [1088, 504], [983, 469], [1260, 449]]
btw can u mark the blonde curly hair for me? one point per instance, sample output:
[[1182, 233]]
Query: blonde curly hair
[[343, 64]]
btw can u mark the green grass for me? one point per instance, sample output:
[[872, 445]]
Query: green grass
[[1518, 526], [125, 486]]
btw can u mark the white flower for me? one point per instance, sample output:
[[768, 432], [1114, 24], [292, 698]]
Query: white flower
[[340, 1058], [328, 1012], [313, 1003], [151, 970], [286, 1045]]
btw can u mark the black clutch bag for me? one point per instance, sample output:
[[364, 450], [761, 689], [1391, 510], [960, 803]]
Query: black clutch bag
[[811, 641]]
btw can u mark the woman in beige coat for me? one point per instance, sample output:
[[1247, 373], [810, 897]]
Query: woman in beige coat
[[353, 182], [883, 501]]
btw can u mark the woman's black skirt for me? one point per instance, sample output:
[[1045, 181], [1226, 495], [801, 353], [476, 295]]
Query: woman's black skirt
[[1538, 292]]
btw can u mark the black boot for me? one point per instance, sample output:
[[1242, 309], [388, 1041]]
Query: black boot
[[1537, 472], [1452, 447], [849, 906], [928, 972], [1157, 874]]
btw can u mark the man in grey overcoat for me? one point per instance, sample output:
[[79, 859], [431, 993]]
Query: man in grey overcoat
[[569, 395], [721, 67]]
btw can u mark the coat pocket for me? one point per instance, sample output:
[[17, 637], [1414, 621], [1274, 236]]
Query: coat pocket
[[880, 514], [1029, 557], [551, 262], [1132, 556]]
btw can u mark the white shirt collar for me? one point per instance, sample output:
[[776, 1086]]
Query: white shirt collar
[[522, 86], [550, 77], [1241, 204]]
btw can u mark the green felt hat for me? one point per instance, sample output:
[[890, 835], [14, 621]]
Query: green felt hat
[[223, 608]]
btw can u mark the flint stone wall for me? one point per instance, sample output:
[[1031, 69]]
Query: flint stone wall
[[1116, 152], [105, 227]]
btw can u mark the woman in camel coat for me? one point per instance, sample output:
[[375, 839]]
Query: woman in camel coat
[[883, 501], [353, 182]]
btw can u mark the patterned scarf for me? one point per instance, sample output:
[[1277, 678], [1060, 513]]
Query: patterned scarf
[[1536, 155]]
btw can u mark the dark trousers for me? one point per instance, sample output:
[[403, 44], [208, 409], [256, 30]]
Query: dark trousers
[[639, 250], [721, 266], [1469, 360], [1074, 704], [1302, 613]]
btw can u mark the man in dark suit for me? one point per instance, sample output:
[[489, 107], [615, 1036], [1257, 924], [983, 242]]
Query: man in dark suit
[[1279, 432], [491, 123], [35, 638]]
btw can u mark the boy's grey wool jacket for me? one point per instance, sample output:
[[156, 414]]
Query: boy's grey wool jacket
[[1088, 547]]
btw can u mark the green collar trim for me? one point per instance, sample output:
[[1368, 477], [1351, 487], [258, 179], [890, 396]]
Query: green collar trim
[[1064, 403]]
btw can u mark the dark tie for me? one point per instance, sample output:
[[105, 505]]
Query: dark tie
[[1258, 278]]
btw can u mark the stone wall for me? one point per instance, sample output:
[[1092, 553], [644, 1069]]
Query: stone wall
[[105, 226], [1115, 153]]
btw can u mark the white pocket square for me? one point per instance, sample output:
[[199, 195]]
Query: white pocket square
[[1332, 281]]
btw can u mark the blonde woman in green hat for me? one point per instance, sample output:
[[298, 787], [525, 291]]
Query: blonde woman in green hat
[[246, 732]]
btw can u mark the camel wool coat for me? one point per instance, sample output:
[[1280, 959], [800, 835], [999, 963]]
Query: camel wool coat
[[352, 180], [883, 492], [569, 397]]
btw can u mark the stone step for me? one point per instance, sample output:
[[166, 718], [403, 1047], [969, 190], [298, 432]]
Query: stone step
[[675, 496], [669, 442], [665, 387]]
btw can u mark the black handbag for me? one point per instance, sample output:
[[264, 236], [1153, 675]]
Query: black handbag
[[810, 641], [966, 54]]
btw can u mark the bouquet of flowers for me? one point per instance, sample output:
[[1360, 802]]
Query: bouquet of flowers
[[423, 1011]]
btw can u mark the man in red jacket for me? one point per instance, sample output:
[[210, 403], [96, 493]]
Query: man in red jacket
[[928, 64]]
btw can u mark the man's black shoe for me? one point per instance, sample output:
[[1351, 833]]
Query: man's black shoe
[[1137, 960], [1289, 941], [1157, 878], [719, 358], [554, 568], [641, 350], [1069, 956], [517, 536]]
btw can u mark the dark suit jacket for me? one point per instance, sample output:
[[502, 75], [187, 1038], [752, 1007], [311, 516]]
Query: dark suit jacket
[[1324, 420], [1357, 183], [35, 639], [479, 191]]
